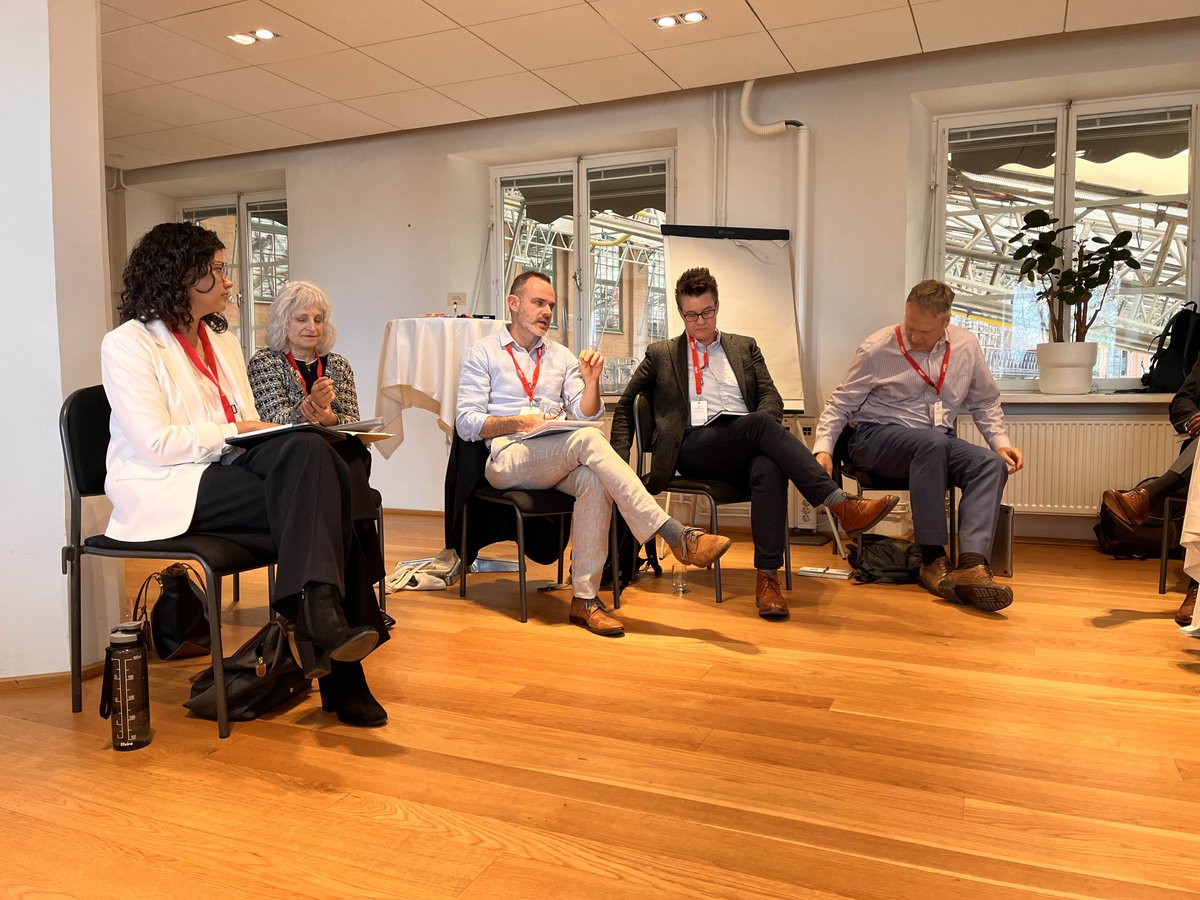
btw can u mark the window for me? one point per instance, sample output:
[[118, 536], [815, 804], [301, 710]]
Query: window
[[614, 298], [252, 228], [1106, 166]]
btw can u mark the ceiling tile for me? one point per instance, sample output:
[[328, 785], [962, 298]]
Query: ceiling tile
[[329, 121], [181, 143], [956, 23], [210, 27], [721, 61], [608, 79], [119, 123], [112, 19], [842, 42], [252, 133], [152, 10], [635, 20], [162, 55], [343, 74], [782, 13], [1084, 14], [169, 104], [475, 12], [114, 79], [444, 58], [126, 156], [367, 21], [507, 95], [251, 90], [555, 38], [415, 109]]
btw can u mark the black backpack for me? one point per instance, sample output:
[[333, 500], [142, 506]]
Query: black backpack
[[1175, 351], [1122, 541], [884, 560]]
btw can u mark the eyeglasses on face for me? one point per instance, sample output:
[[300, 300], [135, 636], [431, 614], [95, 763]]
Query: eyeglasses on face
[[692, 317], [224, 270]]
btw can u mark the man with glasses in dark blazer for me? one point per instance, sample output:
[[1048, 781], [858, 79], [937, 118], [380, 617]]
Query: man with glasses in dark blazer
[[690, 381]]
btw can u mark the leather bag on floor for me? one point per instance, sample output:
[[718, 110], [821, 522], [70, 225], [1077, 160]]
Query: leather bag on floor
[[179, 617], [260, 675]]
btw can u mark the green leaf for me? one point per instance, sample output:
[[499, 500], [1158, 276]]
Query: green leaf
[[1045, 264], [1022, 252], [1121, 239], [1133, 264], [1027, 268], [1099, 240], [1037, 218]]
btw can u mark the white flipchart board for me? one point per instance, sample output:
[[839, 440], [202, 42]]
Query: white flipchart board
[[753, 268]]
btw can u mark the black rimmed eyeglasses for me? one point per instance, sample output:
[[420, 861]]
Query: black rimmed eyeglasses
[[705, 314]]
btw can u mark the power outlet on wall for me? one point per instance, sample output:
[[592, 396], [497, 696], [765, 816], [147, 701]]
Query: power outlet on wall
[[457, 300]]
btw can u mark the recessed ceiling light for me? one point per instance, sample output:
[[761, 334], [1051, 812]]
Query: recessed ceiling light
[[239, 38], [265, 34], [691, 18], [666, 21]]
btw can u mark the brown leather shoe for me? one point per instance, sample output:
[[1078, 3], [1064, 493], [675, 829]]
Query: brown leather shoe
[[935, 578], [699, 548], [974, 586], [1131, 507], [768, 599], [593, 615], [856, 514], [1183, 618]]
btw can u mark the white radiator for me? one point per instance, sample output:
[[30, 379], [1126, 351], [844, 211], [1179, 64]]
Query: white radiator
[[1070, 462]]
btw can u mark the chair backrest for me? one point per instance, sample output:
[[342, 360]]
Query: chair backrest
[[83, 427], [643, 431]]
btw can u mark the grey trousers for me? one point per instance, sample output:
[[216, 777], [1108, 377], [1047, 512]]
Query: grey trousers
[[1183, 463], [581, 463], [930, 460]]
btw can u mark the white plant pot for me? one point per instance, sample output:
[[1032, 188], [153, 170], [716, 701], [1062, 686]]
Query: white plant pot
[[1066, 368]]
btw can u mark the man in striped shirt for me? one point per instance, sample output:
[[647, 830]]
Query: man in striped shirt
[[901, 398]]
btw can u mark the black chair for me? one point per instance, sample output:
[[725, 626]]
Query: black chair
[[718, 493], [83, 427], [843, 466], [467, 489]]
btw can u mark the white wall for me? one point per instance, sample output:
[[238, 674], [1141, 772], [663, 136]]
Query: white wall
[[389, 224]]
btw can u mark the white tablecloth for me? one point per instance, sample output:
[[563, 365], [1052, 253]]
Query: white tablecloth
[[419, 362]]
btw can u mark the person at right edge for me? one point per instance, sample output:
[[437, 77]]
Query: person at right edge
[[1133, 506], [902, 395]]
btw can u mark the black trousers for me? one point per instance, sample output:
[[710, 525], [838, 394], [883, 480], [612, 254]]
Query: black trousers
[[756, 453], [296, 488]]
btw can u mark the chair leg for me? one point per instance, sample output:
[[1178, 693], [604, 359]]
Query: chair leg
[[1167, 539], [237, 587], [213, 596], [787, 556], [562, 546], [462, 555], [953, 530], [521, 564], [712, 529], [615, 560], [75, 615], [382, 555]]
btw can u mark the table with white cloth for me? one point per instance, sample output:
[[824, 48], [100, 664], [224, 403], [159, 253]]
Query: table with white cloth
[[419, 363]]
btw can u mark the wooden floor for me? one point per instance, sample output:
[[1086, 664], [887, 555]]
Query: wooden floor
[[880, 744]]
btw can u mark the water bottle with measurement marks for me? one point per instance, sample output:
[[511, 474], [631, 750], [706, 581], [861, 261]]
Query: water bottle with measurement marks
[[125, 695]]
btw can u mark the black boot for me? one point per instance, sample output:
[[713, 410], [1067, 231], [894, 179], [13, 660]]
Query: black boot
[[344, 691], [322, 634]]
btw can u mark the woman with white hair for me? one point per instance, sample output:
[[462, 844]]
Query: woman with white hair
[[297, 378]]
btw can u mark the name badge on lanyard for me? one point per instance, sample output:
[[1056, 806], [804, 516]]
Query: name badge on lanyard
[[937, 409], [699, 405]]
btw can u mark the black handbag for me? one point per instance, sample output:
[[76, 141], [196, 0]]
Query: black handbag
[[884, 560], [179, 617], [261, 674]]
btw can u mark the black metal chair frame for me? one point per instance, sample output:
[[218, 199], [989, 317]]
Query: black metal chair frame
[[538, 504], [1169, 537], [718, 493], [867, 481], [84, 430]]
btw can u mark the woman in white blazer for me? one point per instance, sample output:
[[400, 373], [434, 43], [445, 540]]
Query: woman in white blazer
[[176, 381]]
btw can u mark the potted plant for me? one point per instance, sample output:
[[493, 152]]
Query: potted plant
[[1073, 289]]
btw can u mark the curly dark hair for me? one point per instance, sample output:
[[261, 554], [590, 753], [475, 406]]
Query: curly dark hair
[[695, 283], [168, 260]]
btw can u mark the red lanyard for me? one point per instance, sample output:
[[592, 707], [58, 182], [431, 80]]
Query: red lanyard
[[300, 375], [537, 369], [697, 369], [210, 371], [937, 388]]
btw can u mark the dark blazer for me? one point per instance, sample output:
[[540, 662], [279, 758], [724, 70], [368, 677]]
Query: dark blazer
[[663, 377], [1186, 402]]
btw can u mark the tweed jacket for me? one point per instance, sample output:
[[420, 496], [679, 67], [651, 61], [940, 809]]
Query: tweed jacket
[[278, 393], [663, 377], [167, 426]]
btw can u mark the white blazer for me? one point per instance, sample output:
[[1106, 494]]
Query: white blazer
[[167, 426]]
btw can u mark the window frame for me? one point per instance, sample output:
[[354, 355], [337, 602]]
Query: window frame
[[1066, 115]]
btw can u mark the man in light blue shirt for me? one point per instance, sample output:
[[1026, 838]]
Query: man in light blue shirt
[[511, 383]]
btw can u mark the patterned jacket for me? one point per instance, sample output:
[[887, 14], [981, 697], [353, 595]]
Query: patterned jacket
[[278, 392]]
